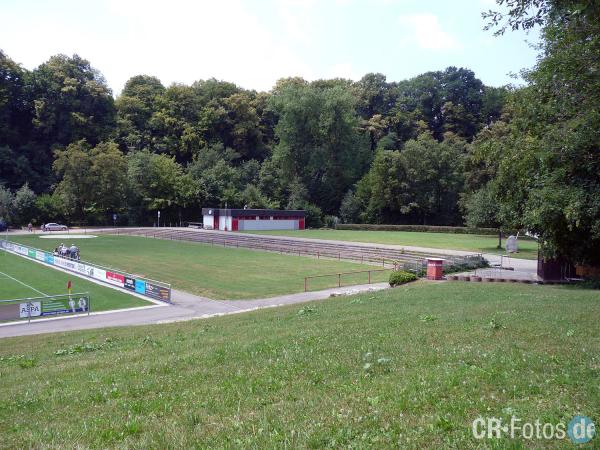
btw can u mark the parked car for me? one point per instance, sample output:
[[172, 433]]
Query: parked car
[[54, 227], [3, 225]]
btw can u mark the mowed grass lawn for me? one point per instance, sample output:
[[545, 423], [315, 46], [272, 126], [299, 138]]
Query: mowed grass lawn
[[21, 278], [467, 242], [405, 368], [214, 272]]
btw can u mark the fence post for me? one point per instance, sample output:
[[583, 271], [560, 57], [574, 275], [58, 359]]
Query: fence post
[[305, 282], [339, 280], [369, 277]]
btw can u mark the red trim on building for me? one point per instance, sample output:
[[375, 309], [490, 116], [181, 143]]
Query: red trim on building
[[301, 224], [234, 224]]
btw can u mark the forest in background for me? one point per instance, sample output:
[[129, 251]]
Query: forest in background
[[439, 149], [336, 148]]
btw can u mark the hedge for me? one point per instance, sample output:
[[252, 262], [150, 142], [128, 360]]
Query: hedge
[[426, 228], [401, 277]]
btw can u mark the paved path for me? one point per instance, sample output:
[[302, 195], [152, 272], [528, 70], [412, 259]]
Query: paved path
[[185, 307]]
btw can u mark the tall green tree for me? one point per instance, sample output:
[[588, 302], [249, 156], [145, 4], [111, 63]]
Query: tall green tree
[[319, 141], [548, 174]]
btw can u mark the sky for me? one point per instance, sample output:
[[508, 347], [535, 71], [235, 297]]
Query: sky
[[253, 43]]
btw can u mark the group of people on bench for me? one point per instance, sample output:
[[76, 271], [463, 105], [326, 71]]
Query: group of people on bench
[[71, 252]]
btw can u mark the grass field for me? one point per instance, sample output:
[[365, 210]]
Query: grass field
[[21, 278], [406, 368], [214, 272], [467, 242]]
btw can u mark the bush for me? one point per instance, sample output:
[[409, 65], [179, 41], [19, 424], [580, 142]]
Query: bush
[[421, 228], [466, 265], [401, 277]]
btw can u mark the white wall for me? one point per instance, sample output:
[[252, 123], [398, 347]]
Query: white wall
[[267, 225], [225, 223], [208, 222]]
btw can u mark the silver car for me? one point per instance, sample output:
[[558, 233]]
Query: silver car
[[54, 227]]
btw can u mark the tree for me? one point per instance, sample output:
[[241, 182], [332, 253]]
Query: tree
[[24, 205], [108, 173], [157, 182], [76, 188], [547, 179], [319, 144], [350, 208], [6, 204], [420, 184], [71, 101], [135, 106]]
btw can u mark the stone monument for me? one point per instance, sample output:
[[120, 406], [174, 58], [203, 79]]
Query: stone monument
[[511, 244]]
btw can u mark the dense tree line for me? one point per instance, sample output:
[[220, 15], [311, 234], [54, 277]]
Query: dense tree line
[[441, 148], [321, 146]]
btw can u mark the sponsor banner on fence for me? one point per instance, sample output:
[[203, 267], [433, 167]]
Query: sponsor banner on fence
[[65, 263], [30, 309], [142, 287], [115, 278], [129, 283], [64, 306], [157, 292], [99, 274], [21, 250]]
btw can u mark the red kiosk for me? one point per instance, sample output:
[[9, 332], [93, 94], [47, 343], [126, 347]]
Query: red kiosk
[[435, 268]]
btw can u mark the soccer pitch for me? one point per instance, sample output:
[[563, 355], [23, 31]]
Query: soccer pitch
[[22, 278], [214, 272]]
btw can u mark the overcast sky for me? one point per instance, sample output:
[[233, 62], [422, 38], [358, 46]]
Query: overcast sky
[[254, 42]]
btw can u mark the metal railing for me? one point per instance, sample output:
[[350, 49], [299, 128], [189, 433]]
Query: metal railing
[[39, 306], [161, 284], [340, 274]]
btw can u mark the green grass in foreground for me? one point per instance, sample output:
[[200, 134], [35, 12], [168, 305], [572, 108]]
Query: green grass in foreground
[[214, 272], [410, 367], [467, 242], [44, 280]]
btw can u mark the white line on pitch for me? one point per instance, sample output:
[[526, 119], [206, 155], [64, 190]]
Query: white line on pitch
[[24, 284]]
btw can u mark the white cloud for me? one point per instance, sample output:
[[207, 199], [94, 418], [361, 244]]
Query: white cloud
[[182, 41], [427, 32]]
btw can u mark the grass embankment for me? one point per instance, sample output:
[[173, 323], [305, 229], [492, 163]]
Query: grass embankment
[[35, 280], [214, 272], [410, 367], [451, 241]]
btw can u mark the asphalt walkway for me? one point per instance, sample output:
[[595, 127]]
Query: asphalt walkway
[[185, 307]]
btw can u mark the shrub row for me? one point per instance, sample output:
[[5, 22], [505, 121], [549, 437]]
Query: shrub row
[[426, 228], [401, 277]]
